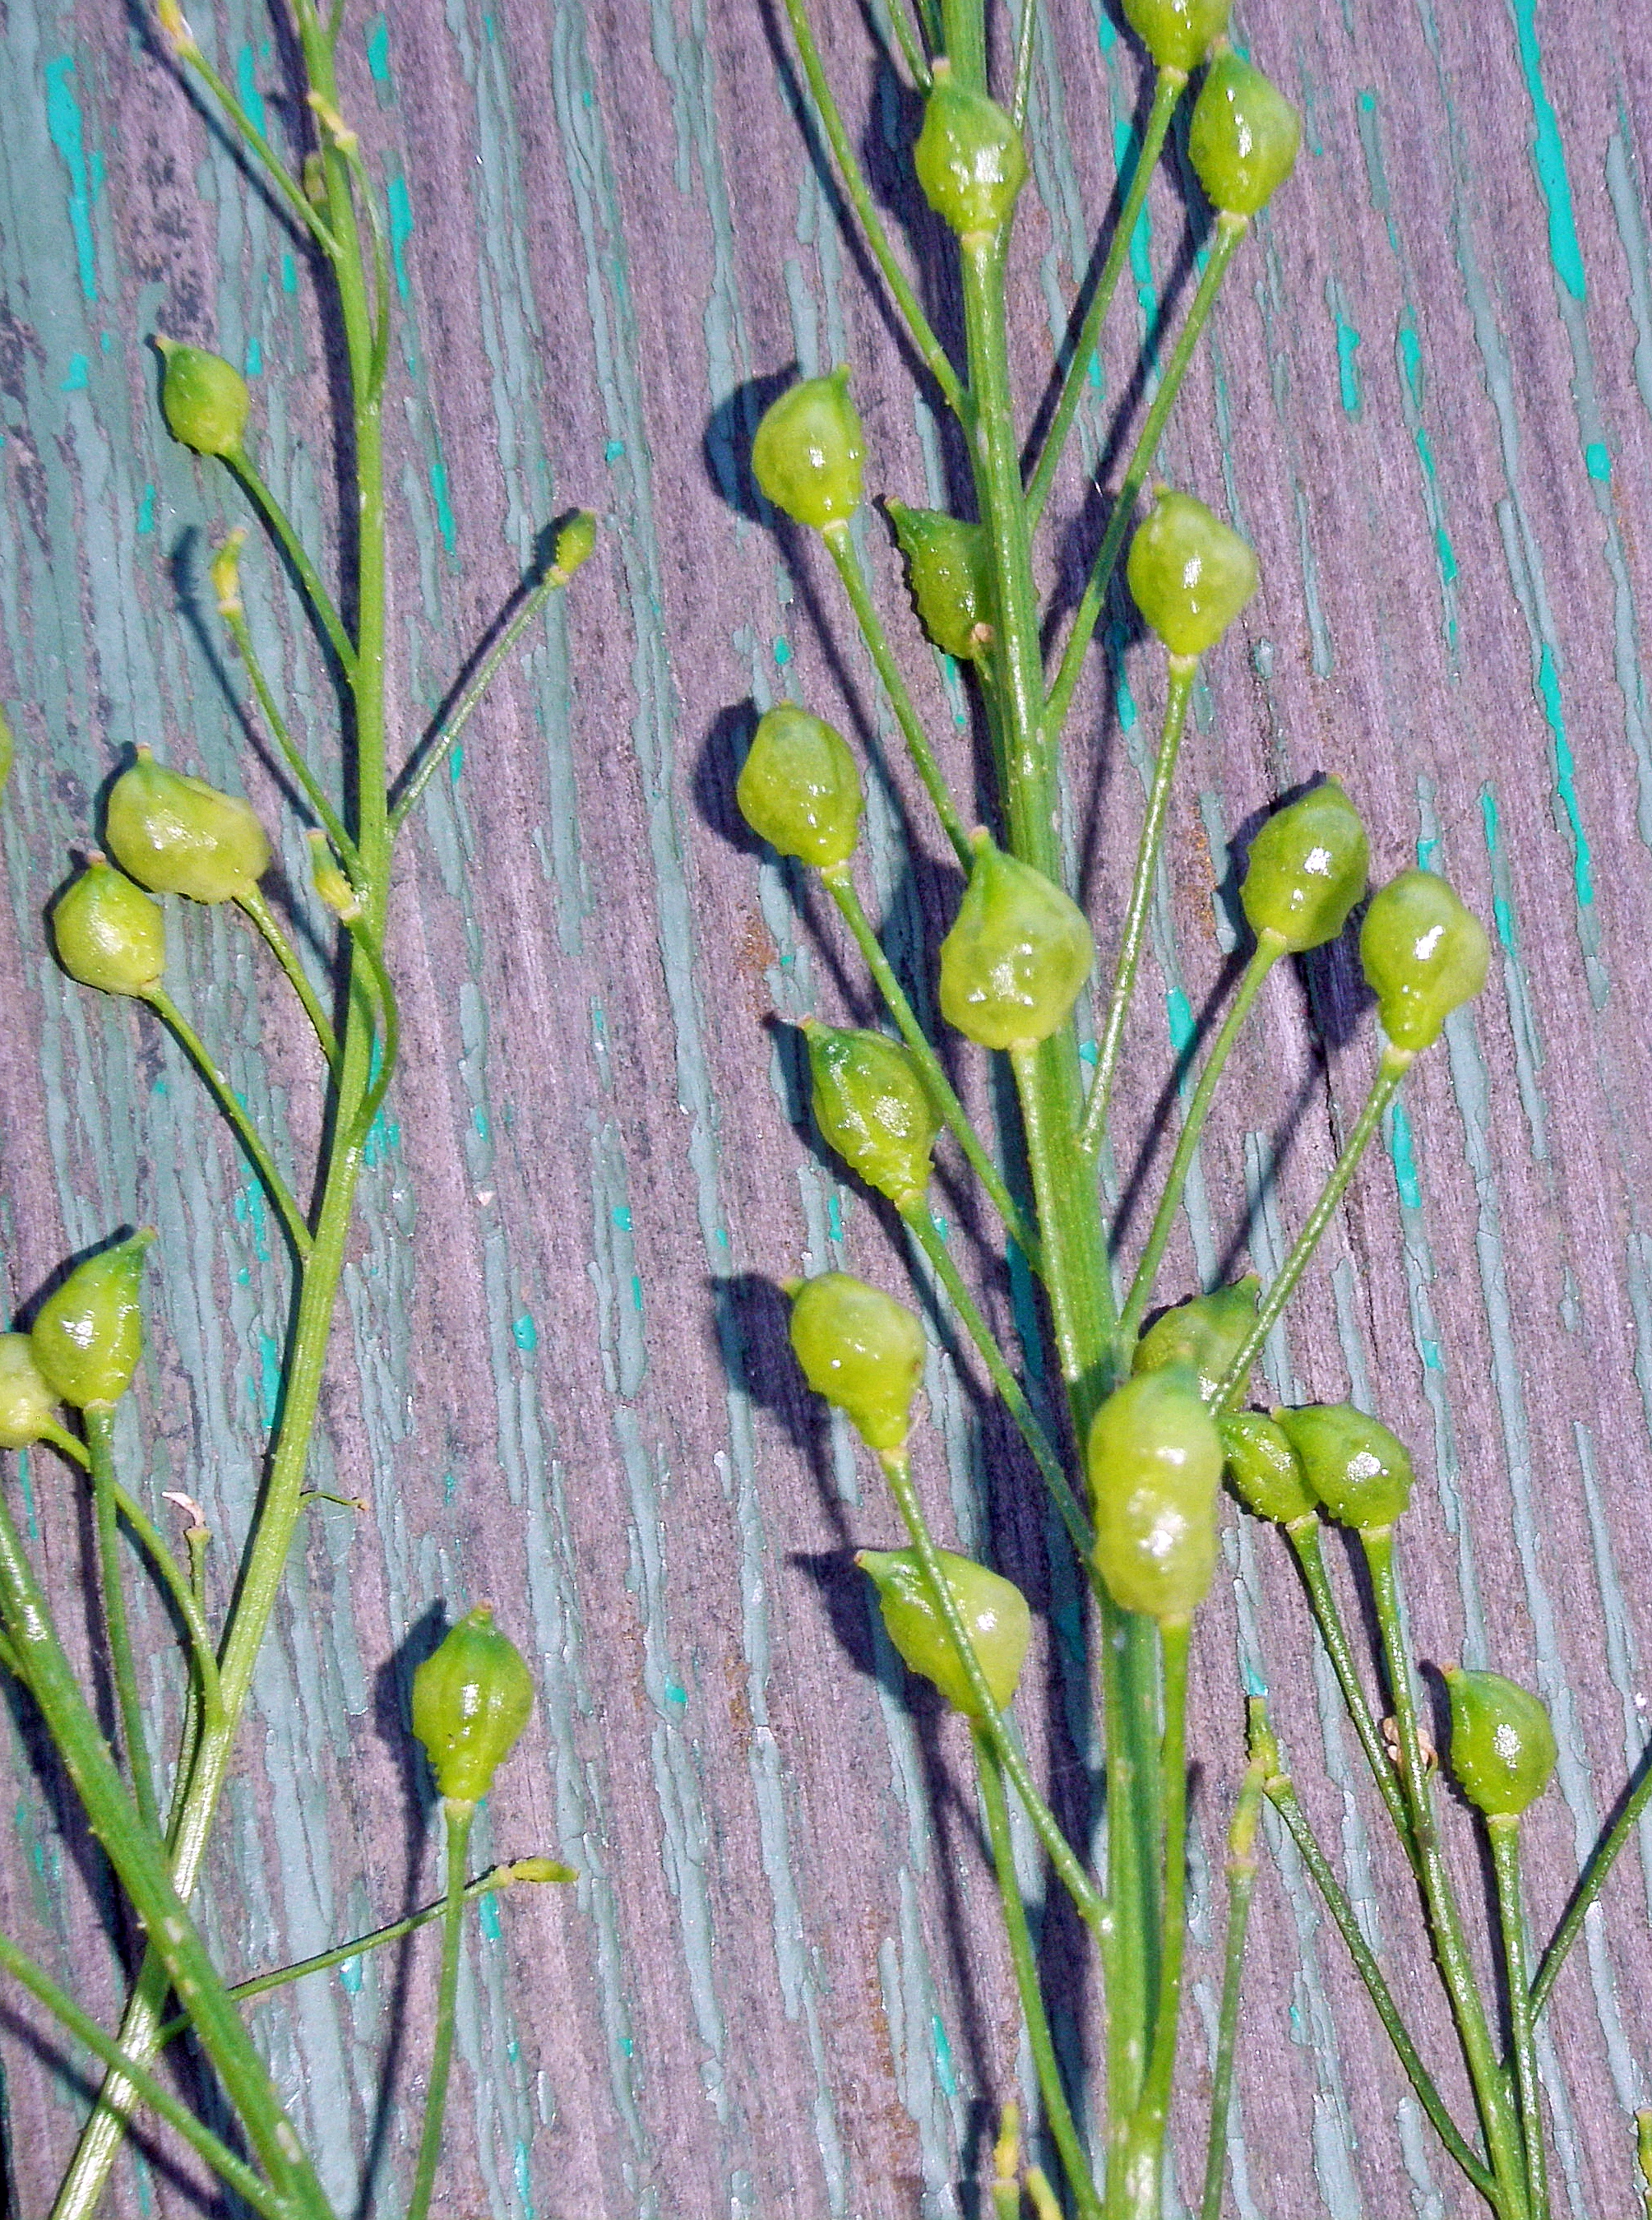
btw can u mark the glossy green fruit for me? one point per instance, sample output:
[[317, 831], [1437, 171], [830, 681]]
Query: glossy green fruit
[[1503, 1747], [799, 788], [1263, 1470], [88, 1335], [27, 1407], [108, 933], [177, 835], [861, 1350], [1178, 33], [574, 542], [872, 1106], [1155, 1461], [1189, 574], [1306, 868], [992, 1609], [1424, 954], [947, 569], [1243, 136], [1018, 951], [809, 452], [1360, 1472], [1205, 1335], [969, 157], [204, 399], [471, 1698]]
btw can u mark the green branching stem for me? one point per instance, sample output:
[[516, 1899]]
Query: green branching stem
[[1230, 230], [841, 548], [1589, 1886], [1241, 1874], [1027, 37], [178, 1584], [1268, 952], [117, 1626], [895, 16], [1167, 91], [1304, 1537], [838, 880], [931, 352], [1024, 1958], [1145, 2147], [287, 956], [291, 754], [1505, 1834], [457, 1815], [269, 161], [320, 600], [989, 1719]]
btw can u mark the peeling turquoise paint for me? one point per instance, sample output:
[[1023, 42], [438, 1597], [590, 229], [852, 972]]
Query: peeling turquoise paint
[[378, 51], [444, 523], [1348, 342], [614, 452], [676, 1692], [147, 511], [1549, 693], [401, 209], [62, 121], [1597, 459], [269, 1375], [944, 2072], [254, 357], [1178, 1011], [79, 375], [247, 87], [1404, 1157], [487, 1918], [783, 652], [524, 1332], [1548, 157], [288, 274]]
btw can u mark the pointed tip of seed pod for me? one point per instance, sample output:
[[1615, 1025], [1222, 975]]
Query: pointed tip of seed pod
[[1451, 1672], [144, 753], [96, 860], [791, 1289]]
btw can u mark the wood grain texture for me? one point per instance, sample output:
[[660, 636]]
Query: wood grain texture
[[560, 1379]]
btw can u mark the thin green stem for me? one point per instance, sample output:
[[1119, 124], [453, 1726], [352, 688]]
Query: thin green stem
[[1184, 669], [1396, 1061], [841, 548], [274, 168], [839, 883], [1144, 2165], [117, 1627], [912, 52], [287, 956], [963, 40], [1025, 40], [1282, 1795], [179, 1586], [1241, 1874], [456, 1816], [246, 1132], [921, 1223], [989, 1720], [1304, 1537], [233, 2171], [1167, 91], [1505, 1833], [292, 756], [931, 352], [1643, 2155], [1590, 1884], [65, 1442], [1024, 1960], [1457, 1968], [1230, 230], [1268, 950], [389, 1040], [320, 602]]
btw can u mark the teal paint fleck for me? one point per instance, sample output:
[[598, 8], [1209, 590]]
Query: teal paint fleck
[[1107, 37], [63, 122], [106, 341], [79, 376], [487, 1918], [244, 1277], [350, 1975], [1502, 914], [1178, 1011], [621, 1216], [456, 762], [1426, 852], [1549, 158], [1597, 459], [401, 209], [1254, 1683], [288, 274], [479, 1119], [614, 451], [1446, 554], [834, 1218], [524, 1333], [1348, 342], [147, 511], [627, 2046], [1402, 1150], [444, 523], [783, 652], [1087, 1052], [254, 358], [1432, 1360], [1549, 693], [269, 1375], [1124, 701], [636, 1293], [450, 1486], [378, 51], [518, 2167], [675, 1694], [944, 2072], [722, 1236], [246, 85]]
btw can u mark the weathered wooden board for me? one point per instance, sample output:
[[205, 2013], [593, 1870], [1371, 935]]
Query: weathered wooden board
[[559, 1380]]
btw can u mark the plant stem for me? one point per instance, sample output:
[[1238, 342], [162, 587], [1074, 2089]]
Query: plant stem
[[320, 602], [291, 755], [1144, 2164], [1396, 1061], [182, 1591], [272, 163], [1505, 1833], [1304, 1537], [1167, 91], [839, 883], [841, 548], [1241, 1884], [1024, 1958], [287, 956], [457, 1814], [123, 1672], [1268, 950], [1457, 1968], [1025, 38], [1230, 230], [1590, 1884]]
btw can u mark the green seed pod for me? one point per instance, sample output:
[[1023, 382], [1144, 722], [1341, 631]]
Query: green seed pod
[[205, 400], [1503, 1747], [1243, 136], [1178, 33], [1190, 575], [27, 1407], [799, 788], [1017, 953], [992, 1609], [872, 1106], [1263, 1470], [808, 451], [1423, 954], [107, 933], [1356, 1468], [861, 1350], [1154, 1461], [177, 835], [969, 157], [471, 1698], [948, 571], [88, 1335], [1306, 868], [1205, 1335], [574, 542]]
